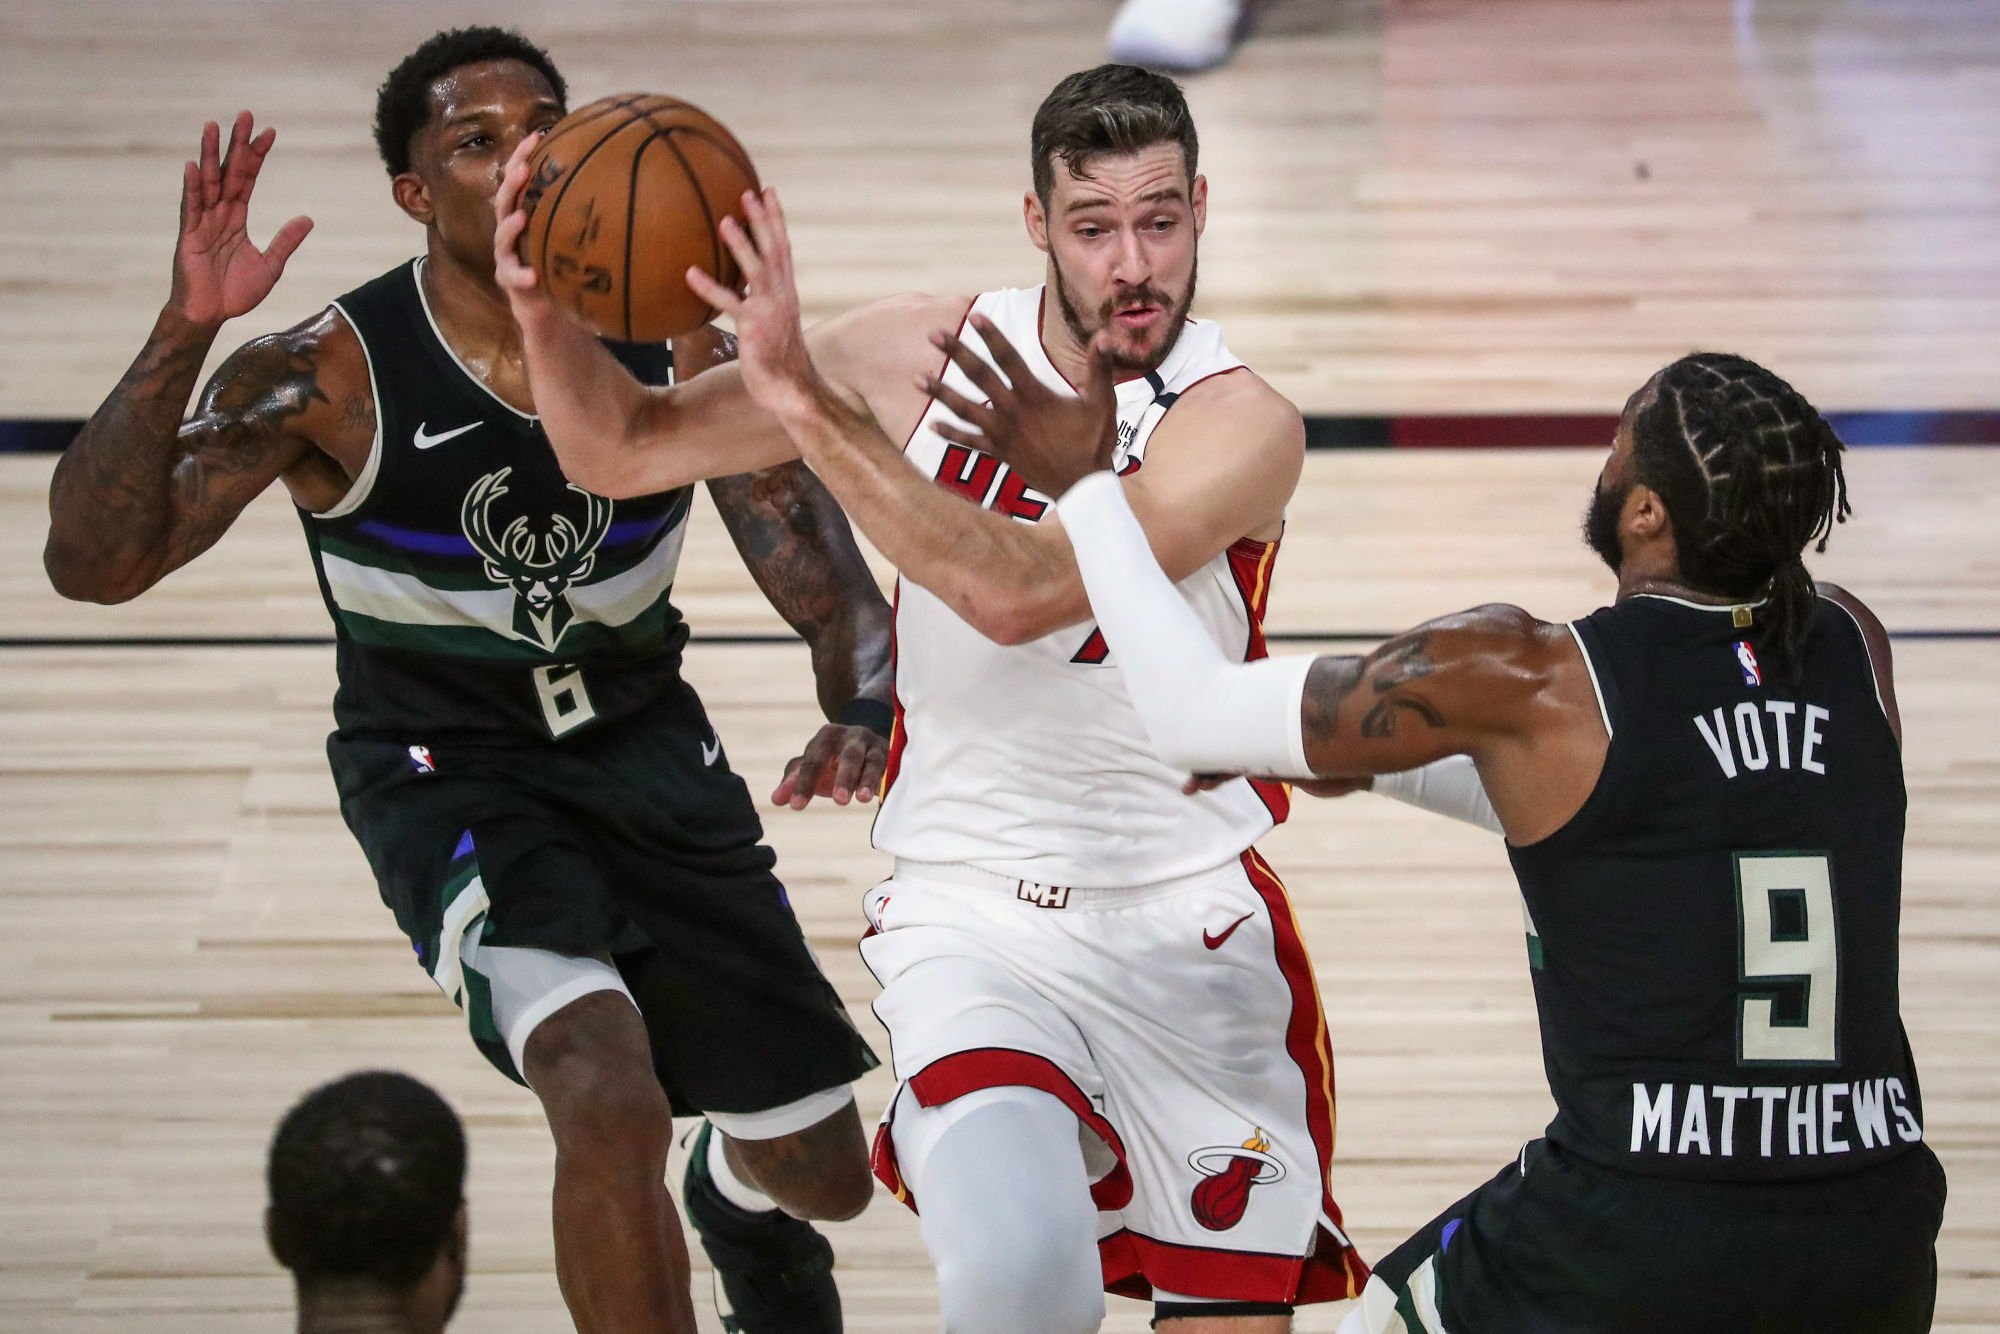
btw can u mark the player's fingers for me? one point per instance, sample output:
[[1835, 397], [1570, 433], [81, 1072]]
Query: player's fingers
[[244, 164], [286, 241], [233, 160], [775, 242], [977, 369], [1003, 354], [757, 215], [782, 794], [723, 300], [211, 164], [815, 776], [1101, 382], [954, 402], [959, 435], [515, 174], [508, 195], [748, 262], [873, 768], [853, 758], [190, 194], [507, 237]]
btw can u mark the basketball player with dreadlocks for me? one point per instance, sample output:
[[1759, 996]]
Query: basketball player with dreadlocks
[[539, 792], [1702, 791]]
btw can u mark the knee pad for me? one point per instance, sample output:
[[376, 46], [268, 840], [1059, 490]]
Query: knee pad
[[1006, 1212]]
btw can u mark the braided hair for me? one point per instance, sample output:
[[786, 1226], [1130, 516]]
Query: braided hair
[[1750, 473]]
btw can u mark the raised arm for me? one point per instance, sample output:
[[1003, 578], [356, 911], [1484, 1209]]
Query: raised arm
[[1012, 581], [138, 493]]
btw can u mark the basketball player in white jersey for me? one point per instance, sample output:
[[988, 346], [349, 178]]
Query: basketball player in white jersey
[[1115, 1067]]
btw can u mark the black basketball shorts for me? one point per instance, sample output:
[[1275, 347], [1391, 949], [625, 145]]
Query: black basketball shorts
[[627, 858], [1556, 1245]]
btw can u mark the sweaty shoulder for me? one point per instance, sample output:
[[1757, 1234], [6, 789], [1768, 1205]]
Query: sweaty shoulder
[[309, 382]]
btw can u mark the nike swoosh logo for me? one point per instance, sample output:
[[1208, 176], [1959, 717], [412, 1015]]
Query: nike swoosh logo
[[425, 441], [1215, 942], [711, 753]]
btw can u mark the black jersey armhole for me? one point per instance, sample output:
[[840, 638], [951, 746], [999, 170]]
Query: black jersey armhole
[[1605, 687]]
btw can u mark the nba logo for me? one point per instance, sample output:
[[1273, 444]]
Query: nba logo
[[420, 756], [1746, 658]]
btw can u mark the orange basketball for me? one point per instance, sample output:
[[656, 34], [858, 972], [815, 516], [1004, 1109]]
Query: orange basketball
[[622, 197]]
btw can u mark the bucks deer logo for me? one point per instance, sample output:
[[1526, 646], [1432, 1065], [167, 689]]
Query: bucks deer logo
[[1228, 1173], [539, 562]]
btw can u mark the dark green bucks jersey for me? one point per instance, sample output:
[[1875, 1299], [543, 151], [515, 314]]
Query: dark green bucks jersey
[[474, 590]]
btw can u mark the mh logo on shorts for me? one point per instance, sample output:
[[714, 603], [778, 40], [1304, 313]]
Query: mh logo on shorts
[[1228, 1174]]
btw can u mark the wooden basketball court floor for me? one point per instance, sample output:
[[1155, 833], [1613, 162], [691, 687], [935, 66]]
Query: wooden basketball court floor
[[1421, 206]]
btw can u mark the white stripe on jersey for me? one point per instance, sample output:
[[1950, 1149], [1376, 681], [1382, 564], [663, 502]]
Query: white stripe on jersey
[[1029, 760]]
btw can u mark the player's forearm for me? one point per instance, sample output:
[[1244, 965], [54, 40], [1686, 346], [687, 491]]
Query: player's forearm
[[988, 569], [1202, 712], [111, 496], [797, 545], [592, 409]]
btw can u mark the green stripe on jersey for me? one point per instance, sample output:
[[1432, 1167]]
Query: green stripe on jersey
[[580, 639]]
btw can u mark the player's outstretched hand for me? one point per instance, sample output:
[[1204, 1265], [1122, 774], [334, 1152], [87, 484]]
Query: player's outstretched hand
[[770, 339], [525, 292], [218, 273], [1051, 438], [842, 762]]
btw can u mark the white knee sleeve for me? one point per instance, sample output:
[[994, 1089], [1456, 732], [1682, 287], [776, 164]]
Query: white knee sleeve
[[1005, 1209]]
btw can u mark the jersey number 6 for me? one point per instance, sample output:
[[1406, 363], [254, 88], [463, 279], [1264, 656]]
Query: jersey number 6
[[565, 703]]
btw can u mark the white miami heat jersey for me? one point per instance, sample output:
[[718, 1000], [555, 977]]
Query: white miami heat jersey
[[1030, 760]]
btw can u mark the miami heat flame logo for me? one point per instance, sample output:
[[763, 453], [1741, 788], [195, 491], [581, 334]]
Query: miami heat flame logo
[[1228, 1172]]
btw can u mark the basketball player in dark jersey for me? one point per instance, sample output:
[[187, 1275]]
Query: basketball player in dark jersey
[[540, 795], [1702, 792]]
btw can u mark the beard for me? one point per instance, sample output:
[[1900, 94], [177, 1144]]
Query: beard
[[1123, 360], [1600, 523]]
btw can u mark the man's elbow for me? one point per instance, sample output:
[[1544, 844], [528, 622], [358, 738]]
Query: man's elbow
[[601, 473], [78, 582], [1008, 617]]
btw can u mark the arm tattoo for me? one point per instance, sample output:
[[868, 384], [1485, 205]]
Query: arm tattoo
[[1329, 681], [798, 547], [138, 494], [1393, 669]]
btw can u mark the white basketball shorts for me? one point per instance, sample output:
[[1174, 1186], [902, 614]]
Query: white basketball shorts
[[1181, 1023]]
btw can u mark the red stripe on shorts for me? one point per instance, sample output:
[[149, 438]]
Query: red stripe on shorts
[[965, 1072], [1333, 1272]]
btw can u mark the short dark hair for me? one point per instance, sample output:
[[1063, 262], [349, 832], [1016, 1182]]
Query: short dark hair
[[366, 1177], [403, 102], [1110, 109], [1750, 473]]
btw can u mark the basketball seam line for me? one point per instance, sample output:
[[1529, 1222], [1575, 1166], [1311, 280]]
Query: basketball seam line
[[570, 179]]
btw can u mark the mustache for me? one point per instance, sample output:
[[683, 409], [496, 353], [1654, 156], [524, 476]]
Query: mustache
[[1135, 296]]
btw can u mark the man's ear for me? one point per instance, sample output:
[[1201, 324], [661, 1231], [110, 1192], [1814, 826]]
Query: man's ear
[[413, 196], [1037, 219], [1646, 514], [1198, 199]]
